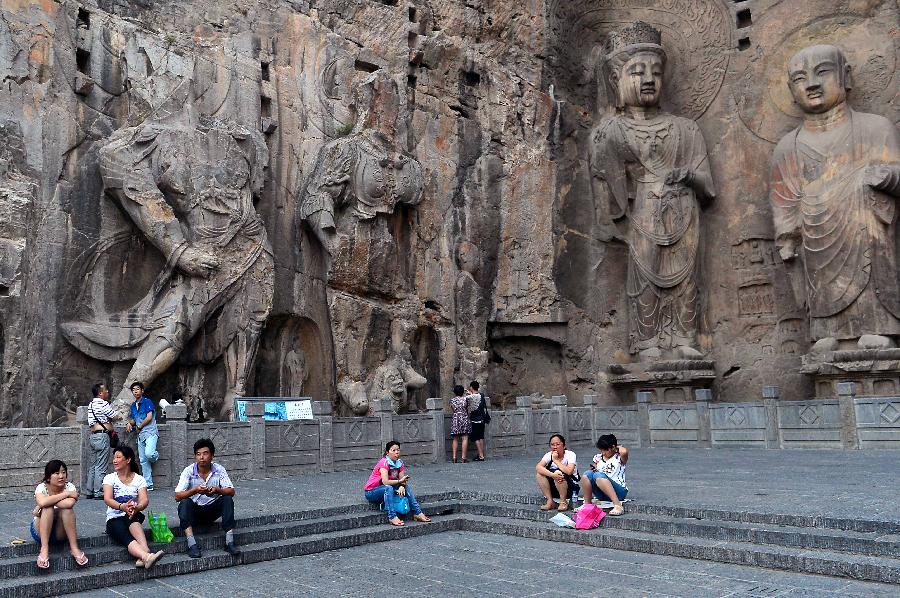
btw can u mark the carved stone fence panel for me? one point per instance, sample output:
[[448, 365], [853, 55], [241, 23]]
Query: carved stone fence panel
[[292, 447], [545, 424], [507, 433], [357, 442], [25, 451], [579, 425], [878, 422], [738, 424], [620, 421], [674, 425], [416, 434], [809, 424], [232, 440]]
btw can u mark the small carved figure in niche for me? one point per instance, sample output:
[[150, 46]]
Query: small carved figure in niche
[[654, 170], [363, 174], [833, 188], [293, 374], [188, 183]]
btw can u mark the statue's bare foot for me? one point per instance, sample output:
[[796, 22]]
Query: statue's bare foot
[[685, 352], [122, 403], [824, 345], [651, 354], [875, 341]]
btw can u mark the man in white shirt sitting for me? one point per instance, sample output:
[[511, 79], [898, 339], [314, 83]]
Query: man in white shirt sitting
[[204, 494]]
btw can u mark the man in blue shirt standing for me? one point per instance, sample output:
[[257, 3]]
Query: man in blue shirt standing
[[143, 419]]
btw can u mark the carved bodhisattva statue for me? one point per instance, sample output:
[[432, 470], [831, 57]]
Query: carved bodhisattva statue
[[655, 171], [362, 175], [834, 184], [187, 184]]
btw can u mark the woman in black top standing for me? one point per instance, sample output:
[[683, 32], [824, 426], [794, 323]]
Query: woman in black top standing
[[479, 416]]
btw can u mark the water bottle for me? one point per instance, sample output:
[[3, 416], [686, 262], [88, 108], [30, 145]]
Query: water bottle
[[574, 501], [161, 520]]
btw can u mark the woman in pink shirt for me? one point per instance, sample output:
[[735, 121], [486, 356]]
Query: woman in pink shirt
[[388, 481]]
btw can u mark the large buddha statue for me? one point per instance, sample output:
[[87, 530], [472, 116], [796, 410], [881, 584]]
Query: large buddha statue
[[833, 188], [653, 168]]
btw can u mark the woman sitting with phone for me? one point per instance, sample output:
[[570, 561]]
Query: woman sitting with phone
[[389, 481]]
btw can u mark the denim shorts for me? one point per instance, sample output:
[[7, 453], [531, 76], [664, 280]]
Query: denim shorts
[[53, 538], [593, 476]]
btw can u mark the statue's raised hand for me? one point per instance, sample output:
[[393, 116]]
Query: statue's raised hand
[[879, 176], [196, 262], [684, 176]]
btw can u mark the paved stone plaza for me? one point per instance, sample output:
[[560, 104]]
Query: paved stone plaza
[[472, 564], [844, 484], [852, 484]]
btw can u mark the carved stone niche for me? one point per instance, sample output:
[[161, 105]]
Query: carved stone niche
[[875, 372], [671, 381]]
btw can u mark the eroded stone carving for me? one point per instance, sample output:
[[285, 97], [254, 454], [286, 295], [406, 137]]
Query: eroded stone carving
[[654, 169], [834, 185], [351, 204], [188, 182], [361, 175]]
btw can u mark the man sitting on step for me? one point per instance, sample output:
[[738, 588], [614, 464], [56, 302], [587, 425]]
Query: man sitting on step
[[204, 494]]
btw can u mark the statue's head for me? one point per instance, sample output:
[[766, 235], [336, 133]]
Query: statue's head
[[635, 63], [819, 78]]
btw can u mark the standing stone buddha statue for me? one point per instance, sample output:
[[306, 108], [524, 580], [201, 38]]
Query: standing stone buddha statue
[[833, 187], [655, 171]]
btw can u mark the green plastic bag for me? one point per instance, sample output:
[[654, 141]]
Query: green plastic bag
[[159, 529]]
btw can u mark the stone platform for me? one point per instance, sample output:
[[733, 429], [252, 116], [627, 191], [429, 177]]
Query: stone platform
[[780, 510]]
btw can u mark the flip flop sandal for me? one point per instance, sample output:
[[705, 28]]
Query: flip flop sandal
[[616, 511], [81, 560], [391, 521], [422, 517], [42, 563]]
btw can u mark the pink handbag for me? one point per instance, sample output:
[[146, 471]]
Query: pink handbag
[[589, 516]]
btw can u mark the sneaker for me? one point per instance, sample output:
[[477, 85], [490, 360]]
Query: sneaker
[[231, 549], [194, 551]]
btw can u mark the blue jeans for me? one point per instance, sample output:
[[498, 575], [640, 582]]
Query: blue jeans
[[387, 495], [593, 476], [147, 454]]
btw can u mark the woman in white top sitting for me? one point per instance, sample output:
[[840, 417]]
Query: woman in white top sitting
[[125, 495], [54, 514], [557, 474], [607, 476]]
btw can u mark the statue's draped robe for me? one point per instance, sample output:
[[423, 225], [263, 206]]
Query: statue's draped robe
[[633, 158], [846, 231], [186, 186]]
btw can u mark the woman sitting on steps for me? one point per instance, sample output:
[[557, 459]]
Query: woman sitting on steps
[[388, 481], [54, 515], [557, 475]]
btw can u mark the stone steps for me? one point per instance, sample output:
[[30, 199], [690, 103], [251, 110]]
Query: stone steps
[[800, 560], [858, 549], [291, 534], [795, 536]]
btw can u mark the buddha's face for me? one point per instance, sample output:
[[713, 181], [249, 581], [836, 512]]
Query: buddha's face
[[640, 80], [816, 77]]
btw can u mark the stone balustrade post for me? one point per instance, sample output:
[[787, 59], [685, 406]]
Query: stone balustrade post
[[85, 453], [255, 411], [560, 404], [591, 401], [703, 396], [849, 433], [524, 403], [383, 410], [179, 452], [322, 412], [771, 395], [643, 399], [435, 408]]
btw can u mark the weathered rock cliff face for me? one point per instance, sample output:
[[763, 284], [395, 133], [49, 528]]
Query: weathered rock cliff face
[[426, 207]]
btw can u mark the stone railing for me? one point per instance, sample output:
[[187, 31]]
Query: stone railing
[[260, 448]]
